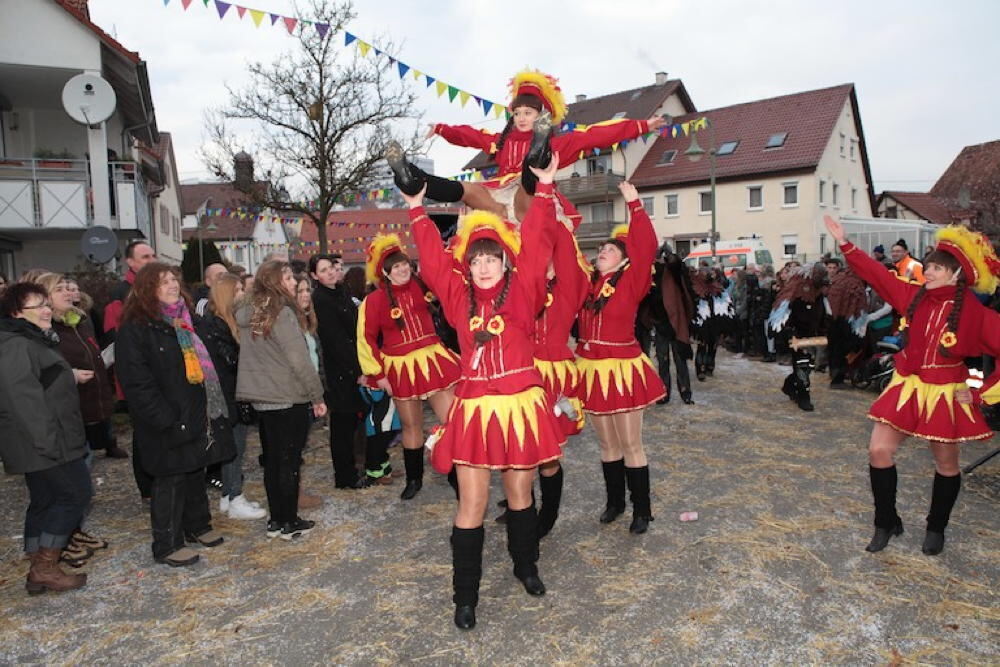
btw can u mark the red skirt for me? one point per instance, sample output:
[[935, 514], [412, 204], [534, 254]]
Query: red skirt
[[421, 373], [929, 411], [500, 432], [562, 379], [609, 386]]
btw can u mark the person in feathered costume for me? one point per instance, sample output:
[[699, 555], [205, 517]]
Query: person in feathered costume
[[929, 396], [798, 312], [491, 285], [399, 349], [848, 301], [714, 315], [536, 107]]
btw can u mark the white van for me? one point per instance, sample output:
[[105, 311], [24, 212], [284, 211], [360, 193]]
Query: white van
[[731, 255]]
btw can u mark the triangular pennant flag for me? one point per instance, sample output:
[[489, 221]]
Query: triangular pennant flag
[[403, 69], [364, 47], [463, 97], [185, 3], [222, 7], [417, 74], [487, 105], [430, 80], [322, 29], [441, 86], [348, 38], [274, 18], [497, 110], [166, 2], [257, 16], [206, 2], [392, 61], [377, 52], [452, 93], [241, 11], [686, 127], [614, 147], [290, 23]]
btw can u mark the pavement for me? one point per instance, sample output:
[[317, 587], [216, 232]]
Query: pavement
[[773, 571]]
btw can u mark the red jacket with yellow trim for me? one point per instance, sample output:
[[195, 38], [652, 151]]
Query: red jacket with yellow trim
[[611, 332], [978, 326], [567, 295], [375, 317], [506, 364]]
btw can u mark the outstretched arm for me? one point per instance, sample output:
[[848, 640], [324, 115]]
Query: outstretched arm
[[468, 136], [894, 291], [599, 135]]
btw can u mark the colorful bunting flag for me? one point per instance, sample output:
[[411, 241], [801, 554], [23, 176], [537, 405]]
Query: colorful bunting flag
[[222, 8]]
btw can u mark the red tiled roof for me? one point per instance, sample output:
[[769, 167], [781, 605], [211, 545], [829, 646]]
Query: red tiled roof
[[808, 118], [226, 229], [976, 168], [221, 195], [83, 16], [926, 205], [638, 103]]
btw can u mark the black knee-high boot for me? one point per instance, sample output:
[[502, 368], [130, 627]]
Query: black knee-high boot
[[539, 153], [551, 498], [413, 460], [440, 189], [467, 570], [453, 481], [642, 513], [614, 482], [522, 544], [410, 179], [943, 496], [887, 522]]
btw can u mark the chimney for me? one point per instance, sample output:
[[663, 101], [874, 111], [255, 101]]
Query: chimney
[[661, 78], [580, 98], [78, 7], [242, 171]]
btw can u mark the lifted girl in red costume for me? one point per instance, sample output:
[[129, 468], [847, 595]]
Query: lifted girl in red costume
[[619, 381], [502, 417], [536, 105], [928, 396], [410, 363]]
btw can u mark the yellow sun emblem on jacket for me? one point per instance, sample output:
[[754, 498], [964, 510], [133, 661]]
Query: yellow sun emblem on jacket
[[949, 339], [496, 325], [549, 299], [607, 290], [428, 296], [396, 313], [475, 323]]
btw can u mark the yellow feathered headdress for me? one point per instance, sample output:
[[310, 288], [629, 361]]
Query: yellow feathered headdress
[[379, 249], [975, 254], [484, 225], [542, 86]]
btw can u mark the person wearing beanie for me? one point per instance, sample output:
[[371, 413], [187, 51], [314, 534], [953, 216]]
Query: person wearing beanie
[[928, 396], [907, 267], [399, 349], [878, 253]]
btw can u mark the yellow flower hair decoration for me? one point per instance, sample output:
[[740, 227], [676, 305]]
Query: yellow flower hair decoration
[[948, 339], [396, 313], [496, 325], [903, 323], [543, 86], [607, 290], [475, 323], [428, 296]]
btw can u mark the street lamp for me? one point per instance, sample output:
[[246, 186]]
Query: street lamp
[[695, 153], [201, 242]]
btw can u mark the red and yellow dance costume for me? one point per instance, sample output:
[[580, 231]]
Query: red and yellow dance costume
[[502, 416], [553, 357], [616, 375], [920, 399]]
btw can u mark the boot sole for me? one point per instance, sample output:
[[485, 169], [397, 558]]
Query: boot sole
[[37, 589]]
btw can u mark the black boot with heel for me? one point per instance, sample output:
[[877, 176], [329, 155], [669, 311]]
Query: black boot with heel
[[522, 544], [467, 570], [943, 497], [614, 483], [887, 522]]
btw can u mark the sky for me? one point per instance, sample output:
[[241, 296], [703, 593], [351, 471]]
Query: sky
[[925, 72]]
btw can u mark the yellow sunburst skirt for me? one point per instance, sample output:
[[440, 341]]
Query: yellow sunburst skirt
[[421, 373], [609, 386], [500, 432], [562, 378], [929, 411]]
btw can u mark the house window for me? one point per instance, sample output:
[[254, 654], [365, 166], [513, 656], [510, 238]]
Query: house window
[[822, 193], [238, 254], [620, 114], [892, 211], [705, 201], [647, 203], [672, 209], [667, 157], [776, 140], [791, 194], [755, 197], [854, 199], [599, 165], [843, 144], [836, 195], [604, 212], [164, 220], [727, 148], [854, 143], [789, 245]]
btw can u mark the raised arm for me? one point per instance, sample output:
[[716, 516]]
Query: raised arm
[[369, 354], [599, 135], [536, 234], [468, 136], [640, 243], [573, 279], [437, 267]]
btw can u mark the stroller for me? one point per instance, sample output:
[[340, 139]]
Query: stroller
[[877, 371]]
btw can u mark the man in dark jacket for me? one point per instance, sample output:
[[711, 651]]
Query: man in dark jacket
[[672, 309], [337, 317]]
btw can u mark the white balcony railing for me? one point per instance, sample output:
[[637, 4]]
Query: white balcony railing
[[56, 194]]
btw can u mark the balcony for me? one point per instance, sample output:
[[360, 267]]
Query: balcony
[[55, 194], [591, 188]]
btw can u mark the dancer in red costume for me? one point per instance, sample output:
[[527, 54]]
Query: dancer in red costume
[[619, 381], [502, 418], [928, 396], [400, 351], [536, 106]]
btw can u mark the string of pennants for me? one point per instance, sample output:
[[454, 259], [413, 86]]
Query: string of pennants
[[365, 48], [253, 215]]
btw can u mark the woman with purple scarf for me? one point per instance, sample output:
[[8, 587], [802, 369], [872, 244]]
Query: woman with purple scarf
[[178, 411]]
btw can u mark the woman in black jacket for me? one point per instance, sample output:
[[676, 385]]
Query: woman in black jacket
[[178, 410], [337, 315], [43, 436]]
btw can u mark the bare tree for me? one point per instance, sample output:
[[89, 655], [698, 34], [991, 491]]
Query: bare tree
[[319, 115]]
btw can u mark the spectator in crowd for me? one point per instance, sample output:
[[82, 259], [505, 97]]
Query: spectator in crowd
[[303, 297], [212, 273], [220, 334], [878, 253], [906, 266], [178, 410], [277, 376], [354, 283], [43, 436]]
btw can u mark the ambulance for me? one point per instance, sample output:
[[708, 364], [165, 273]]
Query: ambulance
[[731, 255]]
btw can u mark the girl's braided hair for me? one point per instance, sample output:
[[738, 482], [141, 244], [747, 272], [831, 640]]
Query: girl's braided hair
[[390, 261], [597, 304], [519, 101]]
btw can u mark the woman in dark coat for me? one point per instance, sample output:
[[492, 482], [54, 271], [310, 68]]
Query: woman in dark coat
[[43, 435], [178, 411], [337, 316]]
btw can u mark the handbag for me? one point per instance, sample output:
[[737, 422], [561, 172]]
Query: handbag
[[246, 413]]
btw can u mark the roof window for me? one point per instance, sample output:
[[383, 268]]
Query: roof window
[[727, 148], [620, 114], [776, 140], [667, 157]]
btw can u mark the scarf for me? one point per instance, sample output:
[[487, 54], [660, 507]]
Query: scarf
[[198, 366]]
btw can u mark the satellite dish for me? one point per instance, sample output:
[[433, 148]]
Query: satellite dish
[[89, 99], [99, 245]]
